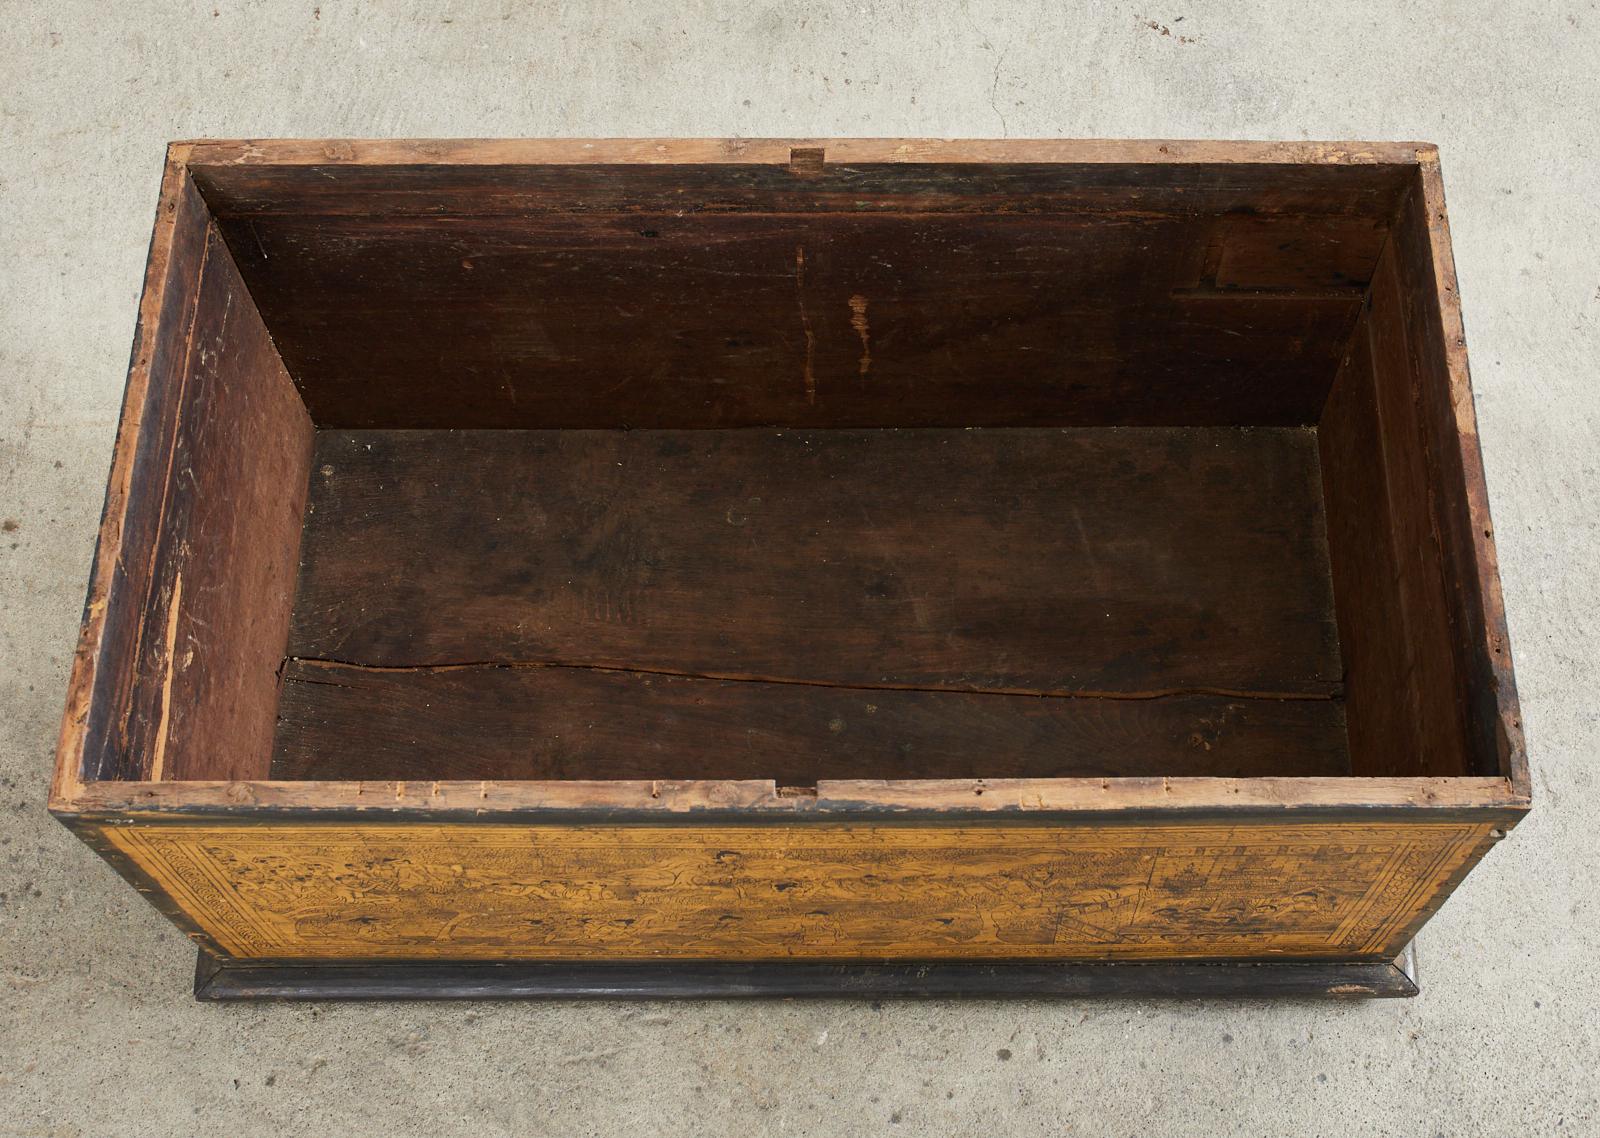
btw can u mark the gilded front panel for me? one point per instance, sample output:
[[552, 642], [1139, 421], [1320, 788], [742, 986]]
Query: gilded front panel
[[499, 891]]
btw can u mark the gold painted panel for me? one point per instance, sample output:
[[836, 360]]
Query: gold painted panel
[[501, 891]]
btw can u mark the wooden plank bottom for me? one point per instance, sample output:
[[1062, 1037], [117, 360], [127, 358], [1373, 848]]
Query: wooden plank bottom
[[444, 980], [804, 606]]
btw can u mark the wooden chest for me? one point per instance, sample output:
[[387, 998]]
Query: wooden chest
[[737, 566]]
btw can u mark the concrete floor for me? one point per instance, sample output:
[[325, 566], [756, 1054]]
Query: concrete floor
[[97, 1031]]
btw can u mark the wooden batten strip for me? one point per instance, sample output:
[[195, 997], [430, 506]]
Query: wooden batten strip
[[263, 800], [778, 151]]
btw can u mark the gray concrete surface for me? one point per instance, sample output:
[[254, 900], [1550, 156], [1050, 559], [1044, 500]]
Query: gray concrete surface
[[97, 1033]]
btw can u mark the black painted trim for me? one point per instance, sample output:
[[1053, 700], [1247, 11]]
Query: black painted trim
[[91, 833], [219, 980]]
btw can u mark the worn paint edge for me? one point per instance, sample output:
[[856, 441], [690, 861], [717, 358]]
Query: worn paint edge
[[222, 980], [1485, 561], [777, 151], [1066, 800], [68, 781]]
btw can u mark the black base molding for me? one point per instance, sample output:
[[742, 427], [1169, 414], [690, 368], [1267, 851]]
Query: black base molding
[[217, 979]]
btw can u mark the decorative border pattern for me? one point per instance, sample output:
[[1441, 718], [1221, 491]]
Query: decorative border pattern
[[476, 891]]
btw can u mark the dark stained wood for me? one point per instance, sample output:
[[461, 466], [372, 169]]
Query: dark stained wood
[[198, 606], [1298, 251], [698, 320], [1403, 539], [1404, 691], [1029, 561], [1431, 675], [220, 979], [1384, 728], [1463, 532], [94, 740], [776, 183], [562, 723], [227, 552], [891, 284]]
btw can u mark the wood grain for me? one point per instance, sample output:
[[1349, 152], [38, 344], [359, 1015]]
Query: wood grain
[[202, 549], [1432, 672], [454, 177], [1058, 270], [226, 555], [1033, 562], [247, 155], [560, 723], [100, 696], [1476, 611], [805, 892], [1058, 800], [1409, 537], [1382, 717], [667, 319]]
